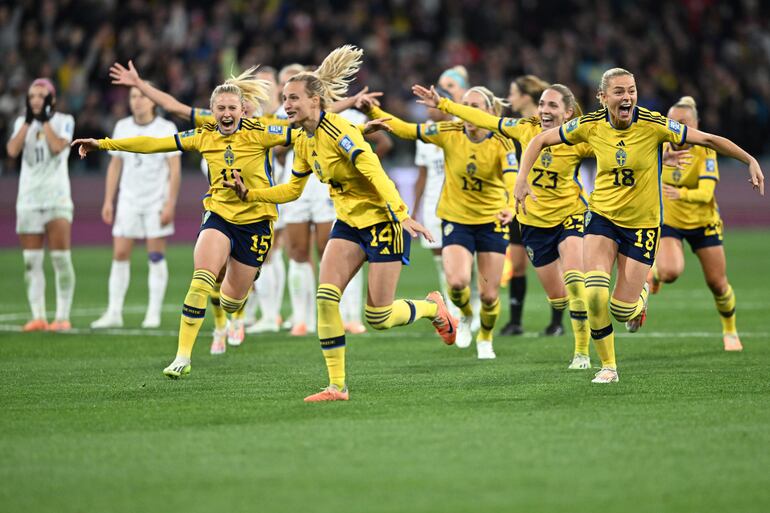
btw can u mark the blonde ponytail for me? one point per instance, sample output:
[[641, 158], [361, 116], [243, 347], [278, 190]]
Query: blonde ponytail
[[247, 87], [330, 80], [568, 98], [496, 104], [687, 102]]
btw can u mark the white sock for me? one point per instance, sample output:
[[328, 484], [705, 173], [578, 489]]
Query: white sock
[[34, 276], [302, 292], [120, 276], [157, 279], [350, 305], [279, 273], [65, 282], [266, 287]]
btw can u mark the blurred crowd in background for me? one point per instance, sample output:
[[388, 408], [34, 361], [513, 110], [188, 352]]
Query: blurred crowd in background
[[718, 52]]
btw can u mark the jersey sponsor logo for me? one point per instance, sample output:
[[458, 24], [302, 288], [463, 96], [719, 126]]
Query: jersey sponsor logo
[[620, 157], [510, 122], [546, 159], [711, 165], [431, 130], [187, 133], [346, 144], [275, 129], [471, 169], [448, 229], [512, 160], [229, 156], [572, 125], [675, 126]]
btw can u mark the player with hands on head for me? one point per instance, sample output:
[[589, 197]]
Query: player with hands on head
[[44, 206], [371, 216]]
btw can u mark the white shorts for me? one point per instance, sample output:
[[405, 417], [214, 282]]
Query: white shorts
[[135, 224], [430, 221], [33, 220], [314, 206]]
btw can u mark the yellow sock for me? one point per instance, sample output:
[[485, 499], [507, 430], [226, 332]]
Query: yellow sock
[[399, 313], [220, 317], [726, 308], [231, 305], [574, 282], [238, 314], [194, 310], [488, 317], [331, 332], [597, 287], [462, 300]]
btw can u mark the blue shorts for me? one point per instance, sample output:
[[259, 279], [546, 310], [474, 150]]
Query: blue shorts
[[382, 242], [249, 243], [697, 238], [639, 244], [514, 231], [542, 244], [476, 238]]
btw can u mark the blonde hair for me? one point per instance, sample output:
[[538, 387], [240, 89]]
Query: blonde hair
[[291, 68], [330, 80], [568, 98], [496, 104], [686, 102], [247, 87], [532, 86], [605, 82]]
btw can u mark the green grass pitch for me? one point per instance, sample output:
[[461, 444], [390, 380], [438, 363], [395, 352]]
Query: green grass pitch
[[88, 422]]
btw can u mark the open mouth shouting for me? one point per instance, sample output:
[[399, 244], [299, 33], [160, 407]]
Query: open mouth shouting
[[624, 110], [546, 120], [227, 123]]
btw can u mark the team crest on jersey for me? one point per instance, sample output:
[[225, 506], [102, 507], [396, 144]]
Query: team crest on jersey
[[346, 144], [448, 229], [675, 126], [572, 125], [512, 160], [187, 133], [471, 169], [510, 122], [275, 129], [546, 159], [711, 165], [229, 156], [530, 253], [587, 219], [620, 157], [677, 175], [431, 130]]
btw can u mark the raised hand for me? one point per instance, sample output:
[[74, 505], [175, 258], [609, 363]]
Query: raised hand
[[85, 146], [364, 99], [237, 186], [29, 115], [121, 75], [375, 125], [47, 111], [427, 97]]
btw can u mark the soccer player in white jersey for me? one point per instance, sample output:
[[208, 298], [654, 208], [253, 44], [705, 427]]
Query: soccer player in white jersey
[[149, 185], [429, 160], [44, 205]]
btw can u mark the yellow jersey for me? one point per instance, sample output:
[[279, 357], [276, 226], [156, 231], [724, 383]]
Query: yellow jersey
[[200, 117], [244, 151], [479, 176], [338, 155], [628, 163], [700, 174], [555, 177]]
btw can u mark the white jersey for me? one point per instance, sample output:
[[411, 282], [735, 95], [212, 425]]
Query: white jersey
[[432, 157], [144, 177], [44, 181]]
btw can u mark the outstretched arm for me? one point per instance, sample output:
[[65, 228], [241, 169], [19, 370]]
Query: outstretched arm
[[485, 120], [130, 77], [141, 144], [283, 193], [399, 127], [725, 146]]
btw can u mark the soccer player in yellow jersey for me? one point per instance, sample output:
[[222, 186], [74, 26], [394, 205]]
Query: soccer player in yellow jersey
[[233, 233], [624, 217], [552, 228], [690, 212], [371, 216], [475, 205]]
